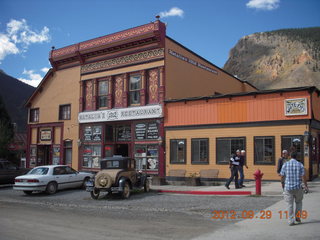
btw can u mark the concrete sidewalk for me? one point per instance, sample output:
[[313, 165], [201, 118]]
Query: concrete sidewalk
[[267, 189], [275, 227]]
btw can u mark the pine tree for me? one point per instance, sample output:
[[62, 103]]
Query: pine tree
[[6, 130]]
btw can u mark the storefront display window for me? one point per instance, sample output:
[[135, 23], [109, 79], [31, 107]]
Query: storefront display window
[[56, 155], [33, 156], [92, 156], [147, 157]]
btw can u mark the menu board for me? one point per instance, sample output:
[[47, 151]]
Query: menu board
[[152, 131], [149, 131], [141, 130]]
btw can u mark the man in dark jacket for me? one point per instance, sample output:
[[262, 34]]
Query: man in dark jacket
[[284, 158], [234, 168]]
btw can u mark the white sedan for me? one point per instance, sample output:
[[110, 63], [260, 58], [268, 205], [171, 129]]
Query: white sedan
[[50, 179]]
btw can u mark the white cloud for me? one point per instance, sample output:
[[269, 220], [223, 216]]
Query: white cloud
[[7, 47], [19, 36], [173, 12], [263, 4], [45, 69], [33, 78]]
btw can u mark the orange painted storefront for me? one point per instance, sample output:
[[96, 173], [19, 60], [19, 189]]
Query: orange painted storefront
[[248, 116]]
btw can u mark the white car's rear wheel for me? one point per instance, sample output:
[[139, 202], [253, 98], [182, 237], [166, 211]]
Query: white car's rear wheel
[[51, 188]]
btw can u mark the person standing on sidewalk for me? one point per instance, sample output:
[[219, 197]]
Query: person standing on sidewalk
[[284, 158], [293, 172], [242, 163], [234, 168]]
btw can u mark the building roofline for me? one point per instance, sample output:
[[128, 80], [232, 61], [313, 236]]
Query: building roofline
[[310, 89], [207, 61], [39, 87]]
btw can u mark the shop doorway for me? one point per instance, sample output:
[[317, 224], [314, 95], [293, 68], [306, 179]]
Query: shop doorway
[[122, 149], [43, 155]]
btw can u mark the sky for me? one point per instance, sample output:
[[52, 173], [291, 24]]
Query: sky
[[29, 28]]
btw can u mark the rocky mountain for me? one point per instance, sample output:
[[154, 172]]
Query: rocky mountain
[[14, 94], [278, 59]]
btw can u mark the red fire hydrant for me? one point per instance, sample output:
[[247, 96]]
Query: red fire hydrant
[[258, 176]]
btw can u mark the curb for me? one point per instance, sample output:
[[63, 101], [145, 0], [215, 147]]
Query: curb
[[234, 193]]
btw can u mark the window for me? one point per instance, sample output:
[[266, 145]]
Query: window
[[200, 150], [178, 151], [103, 90], [68, 152], [293, 143], [34, 115], [264, 151], [134, 89], [225, 147], [65, 112]]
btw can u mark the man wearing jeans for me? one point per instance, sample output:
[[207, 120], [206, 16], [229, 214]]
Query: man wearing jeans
[[293, 172], [243, 162]]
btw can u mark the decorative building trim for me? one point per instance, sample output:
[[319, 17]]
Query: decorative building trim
[[123, 61], [108, 39]]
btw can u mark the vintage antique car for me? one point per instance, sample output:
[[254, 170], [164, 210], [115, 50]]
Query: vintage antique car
[[117, 175]]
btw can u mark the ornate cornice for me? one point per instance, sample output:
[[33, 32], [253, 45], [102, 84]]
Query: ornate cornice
[[123, 61], [150, 28]]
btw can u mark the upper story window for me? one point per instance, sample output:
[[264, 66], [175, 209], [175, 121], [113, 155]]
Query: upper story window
[[65, 112], [134, 89], [103, 89], [34, 115]]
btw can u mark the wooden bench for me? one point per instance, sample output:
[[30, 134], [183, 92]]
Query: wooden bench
[[209, 177], [176, 177]]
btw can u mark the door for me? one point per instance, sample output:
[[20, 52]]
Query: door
[[43, 155], [122, 150], [61, 177]]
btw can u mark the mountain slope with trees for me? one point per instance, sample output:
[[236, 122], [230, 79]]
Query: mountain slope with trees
[[14, 94]]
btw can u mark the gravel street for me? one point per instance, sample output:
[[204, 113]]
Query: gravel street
[[72, 214]]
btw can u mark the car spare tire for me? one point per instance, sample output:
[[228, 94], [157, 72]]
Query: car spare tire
[[103, 180]]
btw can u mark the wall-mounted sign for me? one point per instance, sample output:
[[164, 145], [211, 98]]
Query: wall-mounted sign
[[297, 106], [193, 62], [131, 113], [45, 135]]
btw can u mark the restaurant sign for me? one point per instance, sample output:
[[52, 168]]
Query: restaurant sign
[[297, 106], [121, 114]]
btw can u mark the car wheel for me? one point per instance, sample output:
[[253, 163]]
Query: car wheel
[[27, 192], [83, 185], [146, 186], [95, 193], [51, 188], [126, 191]]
